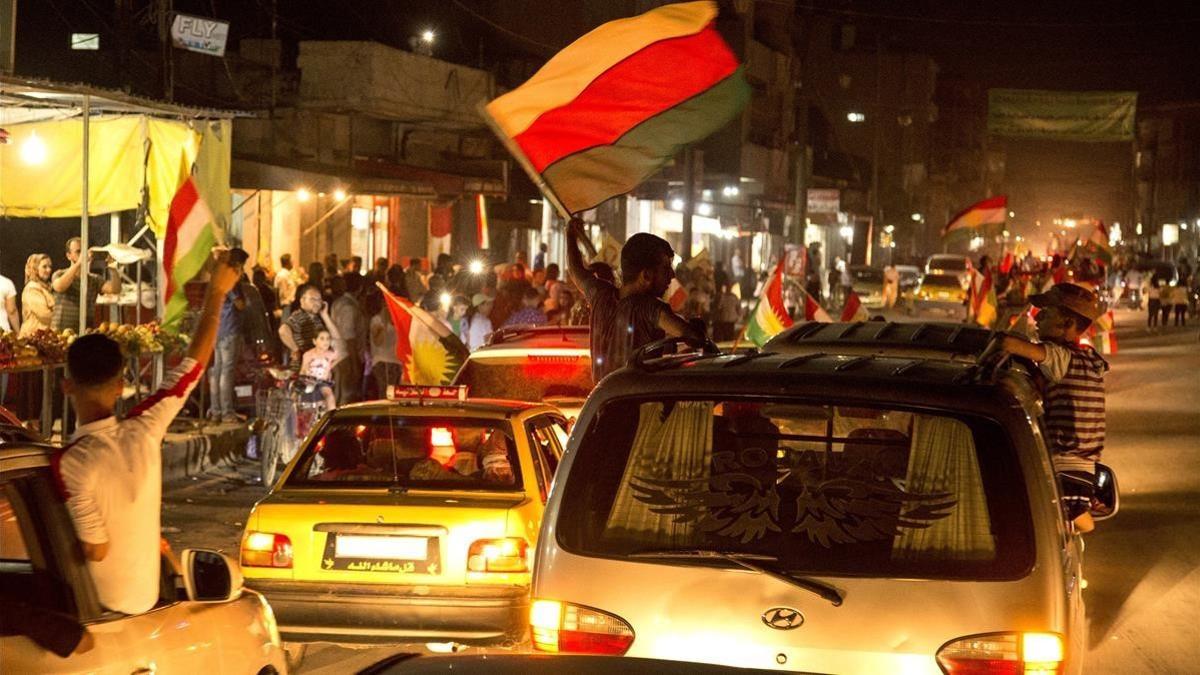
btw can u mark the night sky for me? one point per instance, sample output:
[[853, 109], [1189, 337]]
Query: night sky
[[1151, 47]]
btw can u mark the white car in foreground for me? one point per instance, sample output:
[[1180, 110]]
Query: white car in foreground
[[204, 622]]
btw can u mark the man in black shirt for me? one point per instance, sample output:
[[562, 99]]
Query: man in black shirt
[[627, 318]]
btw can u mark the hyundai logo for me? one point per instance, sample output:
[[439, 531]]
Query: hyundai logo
[[783, 618]]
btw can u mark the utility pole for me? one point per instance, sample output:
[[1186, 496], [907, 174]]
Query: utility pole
[[689, 202], [878, 129], [165, 8], [8, 35]]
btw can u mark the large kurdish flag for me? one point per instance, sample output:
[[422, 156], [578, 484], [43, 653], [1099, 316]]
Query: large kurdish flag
[[430, 353], [188, 242], [614, 106], [770, 316], [991, 211]]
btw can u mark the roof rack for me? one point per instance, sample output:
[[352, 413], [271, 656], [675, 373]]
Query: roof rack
[[743, 358], [665, 353], [795, 361]]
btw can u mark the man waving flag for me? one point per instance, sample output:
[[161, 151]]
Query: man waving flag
[[428, 350], [618, 103]]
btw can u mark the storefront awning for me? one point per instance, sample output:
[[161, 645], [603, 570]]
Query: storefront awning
[[364, 177]]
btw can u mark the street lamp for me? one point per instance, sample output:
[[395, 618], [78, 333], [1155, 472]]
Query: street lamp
[[339, 194], [428, 36], [302, 195]]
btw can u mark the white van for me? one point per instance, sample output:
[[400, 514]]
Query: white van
[[817, 513]]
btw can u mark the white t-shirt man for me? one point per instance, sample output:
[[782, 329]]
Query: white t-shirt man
[[285, 286], [7, 290], [111, 473]]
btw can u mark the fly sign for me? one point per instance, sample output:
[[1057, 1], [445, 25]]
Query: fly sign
[[198, 34]]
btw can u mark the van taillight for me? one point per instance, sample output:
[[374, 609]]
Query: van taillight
[[566, 628], [1003, 654], [266, 549]]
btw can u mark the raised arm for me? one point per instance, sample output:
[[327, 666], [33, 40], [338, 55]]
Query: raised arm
[[580, 274], [62, 282], [339, 343]]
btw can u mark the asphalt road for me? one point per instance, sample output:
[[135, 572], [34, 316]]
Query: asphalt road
[[1142, 566]]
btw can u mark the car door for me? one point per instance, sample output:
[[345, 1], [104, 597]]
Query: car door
[[167, 638], [31, 575]]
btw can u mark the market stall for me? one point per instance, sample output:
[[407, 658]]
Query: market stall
[[74, 151]]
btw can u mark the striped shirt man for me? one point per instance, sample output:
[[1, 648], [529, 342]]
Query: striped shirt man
[[1074, 413]]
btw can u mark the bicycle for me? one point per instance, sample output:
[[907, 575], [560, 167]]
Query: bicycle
[[285, 411]]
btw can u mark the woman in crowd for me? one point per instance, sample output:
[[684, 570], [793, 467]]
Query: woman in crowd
[[37, 300]]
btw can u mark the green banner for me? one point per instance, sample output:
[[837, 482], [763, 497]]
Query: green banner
[[1091, 116]]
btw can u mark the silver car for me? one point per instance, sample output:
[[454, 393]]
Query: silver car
[[818, 513]]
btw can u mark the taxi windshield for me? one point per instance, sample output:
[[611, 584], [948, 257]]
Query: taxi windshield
[[410, 452], [823, 488], [941, 280]]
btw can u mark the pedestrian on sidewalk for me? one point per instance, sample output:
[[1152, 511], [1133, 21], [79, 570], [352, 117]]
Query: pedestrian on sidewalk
[[225, 357], [1074, 397], [1166, 301], [285, 286], [1153, 303], [351, 325], [37, 298], [1179, 301], [729, 312], [111, 471]]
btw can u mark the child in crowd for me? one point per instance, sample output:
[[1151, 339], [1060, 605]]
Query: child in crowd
[[1074, 397], [318, 362]]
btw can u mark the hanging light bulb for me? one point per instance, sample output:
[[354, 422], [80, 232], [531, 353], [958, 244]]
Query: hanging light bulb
[[33, 150]]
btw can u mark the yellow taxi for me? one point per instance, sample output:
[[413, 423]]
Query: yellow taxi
[[409, 520]]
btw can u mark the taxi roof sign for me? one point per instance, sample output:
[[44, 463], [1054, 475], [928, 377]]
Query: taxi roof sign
[[420, 392]]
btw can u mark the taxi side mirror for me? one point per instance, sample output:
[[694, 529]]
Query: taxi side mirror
[[1108, 498], [210, 576]]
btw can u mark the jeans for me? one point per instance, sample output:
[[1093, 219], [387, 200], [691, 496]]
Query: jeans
[[220, 374]]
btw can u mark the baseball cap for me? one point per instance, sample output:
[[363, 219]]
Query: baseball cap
[[480, 298]]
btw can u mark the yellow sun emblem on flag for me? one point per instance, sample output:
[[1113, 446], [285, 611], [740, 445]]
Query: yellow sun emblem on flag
[[430, 363]]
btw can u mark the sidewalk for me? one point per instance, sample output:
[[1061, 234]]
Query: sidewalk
[[190, 449]]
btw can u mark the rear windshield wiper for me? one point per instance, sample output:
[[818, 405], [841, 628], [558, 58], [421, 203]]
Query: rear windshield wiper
[[755, 562]]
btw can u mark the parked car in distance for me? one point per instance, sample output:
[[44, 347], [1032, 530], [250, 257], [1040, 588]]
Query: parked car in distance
[[204, 622], [550, 364], [797, 512], [868, 284], [950, 263]]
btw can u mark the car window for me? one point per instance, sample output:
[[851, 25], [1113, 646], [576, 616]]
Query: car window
[[941, 280], [12, 543], [532, 378], [27, 572], [827, 489], [544, 434], [427, 453], [537, 439]]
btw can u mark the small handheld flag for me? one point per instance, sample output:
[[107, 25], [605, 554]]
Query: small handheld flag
[[769, 317], [854, 311], [187, 244], [428, 350]]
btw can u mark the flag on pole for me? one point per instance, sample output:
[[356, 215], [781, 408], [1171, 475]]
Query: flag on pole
[[1097, 243], [991, 211], [618, 103], [853, 311], [814, 312], [482, 238], [769, 317], [187, 244], [983, 301], [428, 350]]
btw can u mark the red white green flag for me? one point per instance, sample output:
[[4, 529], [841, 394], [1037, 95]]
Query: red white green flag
[[769, 317], [428, 350], [1098, 243], [187, 244], [991, 211], [814, 312], [984, 305], [614, 106], [853, 311]]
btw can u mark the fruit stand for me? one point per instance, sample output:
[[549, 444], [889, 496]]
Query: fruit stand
[[45, 351]]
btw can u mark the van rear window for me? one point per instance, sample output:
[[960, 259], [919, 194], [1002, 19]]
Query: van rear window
[[826, 489]]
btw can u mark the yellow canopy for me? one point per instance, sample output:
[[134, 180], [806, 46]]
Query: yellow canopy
[[41, 167]]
